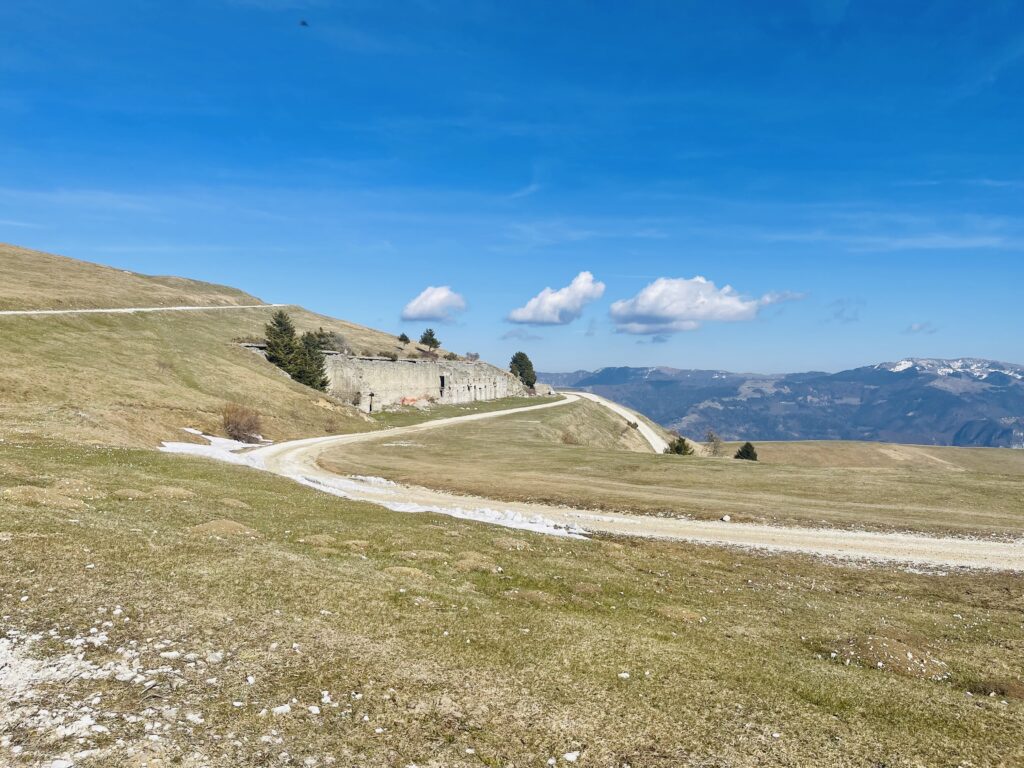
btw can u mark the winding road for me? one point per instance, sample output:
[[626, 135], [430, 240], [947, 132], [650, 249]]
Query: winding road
[[300, 460]]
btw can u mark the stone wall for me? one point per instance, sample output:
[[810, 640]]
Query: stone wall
[[378, 382]]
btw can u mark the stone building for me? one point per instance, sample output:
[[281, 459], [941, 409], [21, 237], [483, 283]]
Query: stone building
[[373, 383]]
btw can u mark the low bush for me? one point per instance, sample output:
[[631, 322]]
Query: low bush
[[680, 447], [746, 452], [242, 423]]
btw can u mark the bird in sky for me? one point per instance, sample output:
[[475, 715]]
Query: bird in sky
[[303, 23]]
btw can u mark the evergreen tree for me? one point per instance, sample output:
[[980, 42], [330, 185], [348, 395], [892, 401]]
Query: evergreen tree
[[680, 447], [282, 343], [429, 340], [746, 452], [309, 365], [522, 367], [404, 339]]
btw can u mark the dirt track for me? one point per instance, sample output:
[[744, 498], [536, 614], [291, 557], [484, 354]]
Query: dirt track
[[299, 459]]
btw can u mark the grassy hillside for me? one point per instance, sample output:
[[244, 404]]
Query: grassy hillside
[[36, 280], [445, 643], [521, 457], [844, 453], [136, 379]]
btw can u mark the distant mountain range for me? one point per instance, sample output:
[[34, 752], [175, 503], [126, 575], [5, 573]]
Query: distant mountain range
[[967, 402]]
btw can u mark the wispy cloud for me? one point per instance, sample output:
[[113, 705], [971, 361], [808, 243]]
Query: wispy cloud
[[925, 327], [526, 191], [845, 311], [520, 334]]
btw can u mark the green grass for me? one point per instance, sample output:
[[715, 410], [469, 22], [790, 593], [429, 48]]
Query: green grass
[[460, 636], [520, 458]]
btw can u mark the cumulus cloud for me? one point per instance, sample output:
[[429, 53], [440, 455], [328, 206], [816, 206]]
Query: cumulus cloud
[[438, 302], [551, 307], [676, 304]]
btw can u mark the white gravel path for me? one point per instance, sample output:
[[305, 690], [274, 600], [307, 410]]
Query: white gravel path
[[299, 460]]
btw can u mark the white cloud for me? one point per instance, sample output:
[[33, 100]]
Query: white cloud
[[678, 304], [551, 307], [434, 303]]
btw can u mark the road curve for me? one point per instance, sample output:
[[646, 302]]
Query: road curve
[[657, 442], [131, 310], [300, 460]]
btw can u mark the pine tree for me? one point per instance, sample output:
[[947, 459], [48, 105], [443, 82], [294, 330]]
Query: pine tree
[[430, 340], [282, 343], [310, 366], [404, 339], [522, 367], [680, 447], [746, 452]]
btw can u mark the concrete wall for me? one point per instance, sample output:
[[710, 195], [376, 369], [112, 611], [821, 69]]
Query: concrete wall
[[380, 382]]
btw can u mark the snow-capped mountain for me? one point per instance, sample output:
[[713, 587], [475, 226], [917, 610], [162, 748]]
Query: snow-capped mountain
[[970, 366], [963, 401]]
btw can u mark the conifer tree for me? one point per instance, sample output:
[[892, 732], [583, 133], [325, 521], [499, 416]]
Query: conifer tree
[[430, 340], [522, 367], [404, 338], [310, 366], [680, 447], [282, 343], [746, 452]]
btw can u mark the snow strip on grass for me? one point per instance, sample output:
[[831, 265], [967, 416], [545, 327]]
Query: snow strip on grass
[[376, 490]]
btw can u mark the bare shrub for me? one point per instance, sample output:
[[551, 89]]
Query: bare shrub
[[568, 438], [242, 423]]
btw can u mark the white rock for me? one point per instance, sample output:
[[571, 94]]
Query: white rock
[[726, 518], [284, 709], [624, 675], [571, 757], [314, 710]]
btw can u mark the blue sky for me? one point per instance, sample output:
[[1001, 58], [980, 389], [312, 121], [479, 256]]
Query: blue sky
[[852, 170]]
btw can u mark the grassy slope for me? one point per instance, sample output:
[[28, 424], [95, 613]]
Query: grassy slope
[[36, 280], [521, 458], [137, 379], [724, 649]]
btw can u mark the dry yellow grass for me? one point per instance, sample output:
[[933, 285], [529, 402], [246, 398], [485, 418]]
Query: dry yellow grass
[[36, 280], [521, 458], [137, 379], [436, 636]]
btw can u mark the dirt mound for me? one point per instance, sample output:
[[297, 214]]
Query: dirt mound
[[34, 496], [234, 503], [475, 562], [1006, 687], [223, 527]]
